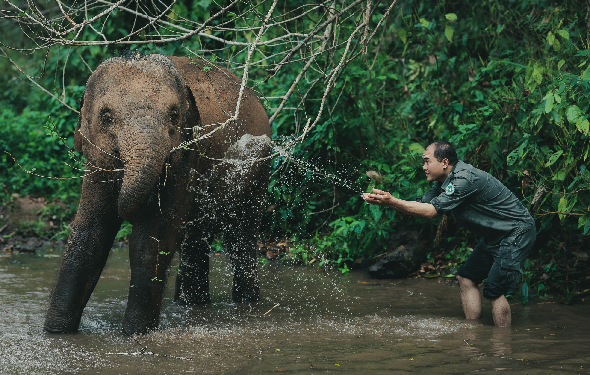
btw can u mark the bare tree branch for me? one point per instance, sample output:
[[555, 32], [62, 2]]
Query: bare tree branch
[[303, 50]]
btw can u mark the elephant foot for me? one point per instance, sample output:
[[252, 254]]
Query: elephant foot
[[245, 299], [130, 329], [185, 299], [195, 293], [140, 322], [245, 287], [61, 326], [59, 330], [245, 295]]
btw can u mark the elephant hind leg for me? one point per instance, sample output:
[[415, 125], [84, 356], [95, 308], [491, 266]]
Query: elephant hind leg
[[241, 247], [192, 280]]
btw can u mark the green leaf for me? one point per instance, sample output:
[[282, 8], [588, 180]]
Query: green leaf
[[424, 23], [586, 74], [572, 113], [583, 126], [571, 203], [562, 207], [512, 157], [449, 33], [554, 158], [560, 64], [537, 75], [549, 100], [564, 34], [401, 33], [560, 175], [550, 38], [376, 212], [451, 16]]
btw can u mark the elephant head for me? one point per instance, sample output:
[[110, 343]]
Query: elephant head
[[135, 110]]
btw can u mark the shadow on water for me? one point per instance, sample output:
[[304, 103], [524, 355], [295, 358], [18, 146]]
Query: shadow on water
[[308, 321]]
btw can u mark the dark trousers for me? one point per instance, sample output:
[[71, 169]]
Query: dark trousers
[[500, 263]]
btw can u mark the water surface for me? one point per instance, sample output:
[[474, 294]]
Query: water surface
[[308, 321]]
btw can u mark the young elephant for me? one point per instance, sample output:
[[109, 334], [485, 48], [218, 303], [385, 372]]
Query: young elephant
[[135, 112]]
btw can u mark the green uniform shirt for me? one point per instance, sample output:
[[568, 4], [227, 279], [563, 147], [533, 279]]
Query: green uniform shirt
[[479, 202]]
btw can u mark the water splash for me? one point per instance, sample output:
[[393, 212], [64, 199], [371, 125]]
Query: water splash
[[285, 152]]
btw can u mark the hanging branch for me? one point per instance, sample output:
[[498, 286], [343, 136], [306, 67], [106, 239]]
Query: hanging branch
[[317, 41]]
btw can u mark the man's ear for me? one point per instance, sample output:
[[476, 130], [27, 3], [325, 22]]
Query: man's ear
[[77, 136]]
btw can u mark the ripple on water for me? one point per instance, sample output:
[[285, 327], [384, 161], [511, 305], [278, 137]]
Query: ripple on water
[[306, 319]]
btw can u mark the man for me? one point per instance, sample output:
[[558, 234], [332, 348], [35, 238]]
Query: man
[[484, 206]]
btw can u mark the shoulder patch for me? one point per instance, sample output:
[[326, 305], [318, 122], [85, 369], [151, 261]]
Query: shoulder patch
[[450, 189]]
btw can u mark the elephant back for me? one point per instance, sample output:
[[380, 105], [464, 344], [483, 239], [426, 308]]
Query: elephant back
[[216, 92]]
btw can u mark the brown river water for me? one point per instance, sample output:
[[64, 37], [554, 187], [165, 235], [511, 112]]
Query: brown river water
[[307, 322]]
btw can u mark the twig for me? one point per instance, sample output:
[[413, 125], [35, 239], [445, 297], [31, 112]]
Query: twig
[[302, 43], [278, 304]]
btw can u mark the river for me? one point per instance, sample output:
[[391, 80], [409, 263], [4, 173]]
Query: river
[[308, 321]]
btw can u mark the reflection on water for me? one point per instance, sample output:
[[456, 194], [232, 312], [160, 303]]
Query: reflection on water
[[308, 321]]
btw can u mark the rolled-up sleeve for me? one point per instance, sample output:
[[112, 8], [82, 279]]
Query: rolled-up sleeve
[[445, 201]]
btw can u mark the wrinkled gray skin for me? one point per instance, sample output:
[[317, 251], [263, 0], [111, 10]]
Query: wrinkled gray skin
[[134, 112]]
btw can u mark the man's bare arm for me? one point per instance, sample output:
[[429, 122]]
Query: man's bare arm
[[383, 198]]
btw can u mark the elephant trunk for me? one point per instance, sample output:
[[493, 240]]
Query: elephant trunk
[[144, 153]]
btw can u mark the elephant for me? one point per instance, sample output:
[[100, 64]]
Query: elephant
[[161, 154]]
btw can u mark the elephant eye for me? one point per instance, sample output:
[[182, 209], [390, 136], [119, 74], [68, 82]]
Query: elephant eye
[[106, 118], [174, 116]]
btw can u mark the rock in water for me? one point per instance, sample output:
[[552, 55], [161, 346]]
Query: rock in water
[[404, 256]]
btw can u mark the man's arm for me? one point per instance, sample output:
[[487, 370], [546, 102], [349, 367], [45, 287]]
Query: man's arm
[[383, 198]]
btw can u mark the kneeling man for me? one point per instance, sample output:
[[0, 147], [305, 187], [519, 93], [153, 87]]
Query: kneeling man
[[484, 206]]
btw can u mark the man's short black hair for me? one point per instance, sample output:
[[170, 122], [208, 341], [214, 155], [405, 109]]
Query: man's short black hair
[[445, 150]]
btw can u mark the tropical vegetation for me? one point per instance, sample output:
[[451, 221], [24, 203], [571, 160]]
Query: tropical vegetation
[[508, 82]]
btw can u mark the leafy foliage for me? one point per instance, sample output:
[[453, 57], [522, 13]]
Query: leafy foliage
[[511, 91], [31, 137], [507, 82]]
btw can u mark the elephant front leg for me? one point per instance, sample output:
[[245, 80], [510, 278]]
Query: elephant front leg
[[192, 280], [242, 250], [149, 258]]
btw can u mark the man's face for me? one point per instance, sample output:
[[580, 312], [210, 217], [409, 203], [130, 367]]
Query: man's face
[[435, 170]]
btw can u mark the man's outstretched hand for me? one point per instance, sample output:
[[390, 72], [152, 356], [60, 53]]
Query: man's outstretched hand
[[379, 197], [383, 198]]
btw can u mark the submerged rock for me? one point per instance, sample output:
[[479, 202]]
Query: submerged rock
[[403, 256]]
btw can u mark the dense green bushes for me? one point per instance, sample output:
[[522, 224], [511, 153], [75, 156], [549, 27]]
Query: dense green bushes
[[30, 137], [507, 82]]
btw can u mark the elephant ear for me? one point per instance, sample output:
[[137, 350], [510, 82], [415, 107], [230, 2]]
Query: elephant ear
[[77, 136], [193, 123]]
